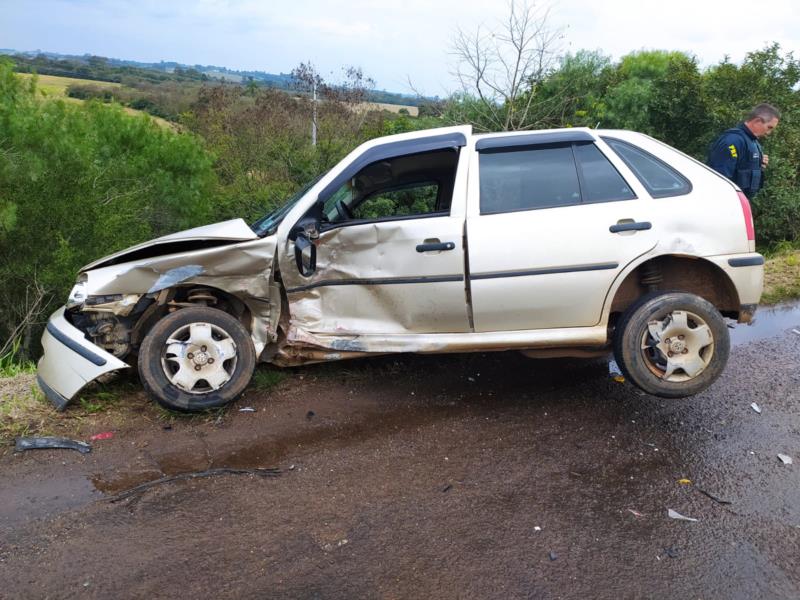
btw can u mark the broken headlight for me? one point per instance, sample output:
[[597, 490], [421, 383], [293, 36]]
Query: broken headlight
[[78, 294]]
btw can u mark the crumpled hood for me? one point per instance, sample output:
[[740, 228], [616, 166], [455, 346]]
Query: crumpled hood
[[207, 236]]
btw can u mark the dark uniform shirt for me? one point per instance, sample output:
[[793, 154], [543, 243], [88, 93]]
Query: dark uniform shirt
[[737, 155]]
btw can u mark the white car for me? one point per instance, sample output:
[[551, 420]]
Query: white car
[[565, 242]]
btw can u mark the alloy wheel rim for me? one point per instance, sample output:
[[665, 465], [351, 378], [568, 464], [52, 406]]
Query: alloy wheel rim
[[199, 358], [677, 347]]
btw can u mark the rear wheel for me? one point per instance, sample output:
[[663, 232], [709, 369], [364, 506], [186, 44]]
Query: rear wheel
[[195, 359], [672, 344]]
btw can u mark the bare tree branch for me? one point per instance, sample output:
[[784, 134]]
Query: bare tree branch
[[502, 68]]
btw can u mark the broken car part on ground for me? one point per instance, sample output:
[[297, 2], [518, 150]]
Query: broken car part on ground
[[557, 243]]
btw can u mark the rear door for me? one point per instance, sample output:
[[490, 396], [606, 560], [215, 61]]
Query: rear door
[[551, 222]]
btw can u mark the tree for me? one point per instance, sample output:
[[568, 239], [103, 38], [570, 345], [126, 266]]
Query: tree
[[500, 70]]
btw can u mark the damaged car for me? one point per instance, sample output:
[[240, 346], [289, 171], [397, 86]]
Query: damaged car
[[571, 242]]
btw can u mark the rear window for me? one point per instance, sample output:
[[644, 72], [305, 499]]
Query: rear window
[[528, 179], [660, 180], [601, 182]]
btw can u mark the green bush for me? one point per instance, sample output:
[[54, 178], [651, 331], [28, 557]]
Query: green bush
[[78, 182]]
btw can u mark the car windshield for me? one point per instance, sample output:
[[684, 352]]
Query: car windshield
[[268, 224]]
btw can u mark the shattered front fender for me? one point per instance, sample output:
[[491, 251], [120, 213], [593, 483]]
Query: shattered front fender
[[70, 361], [243, 269]]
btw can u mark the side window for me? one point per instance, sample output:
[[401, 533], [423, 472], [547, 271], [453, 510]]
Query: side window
[[403, 186], [600, 180], [656, 176], [526, 179], [415, 199]]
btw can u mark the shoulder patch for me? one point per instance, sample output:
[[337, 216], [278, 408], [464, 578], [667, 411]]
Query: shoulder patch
[[732, 148]]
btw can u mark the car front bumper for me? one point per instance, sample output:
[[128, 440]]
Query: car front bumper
[[70, 361]]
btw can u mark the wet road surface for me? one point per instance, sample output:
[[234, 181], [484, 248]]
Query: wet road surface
[[464, 476]]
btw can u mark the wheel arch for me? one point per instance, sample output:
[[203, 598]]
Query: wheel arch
[[672, 272]]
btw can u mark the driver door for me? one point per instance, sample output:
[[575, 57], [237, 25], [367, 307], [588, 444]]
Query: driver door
[[389, 252]]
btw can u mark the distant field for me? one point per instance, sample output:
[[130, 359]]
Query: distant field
[[56, 87], [395, 108], [52, 85]]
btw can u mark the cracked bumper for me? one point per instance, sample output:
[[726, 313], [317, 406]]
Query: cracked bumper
[[70, 361]]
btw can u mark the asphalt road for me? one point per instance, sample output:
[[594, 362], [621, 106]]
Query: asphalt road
[[464, 476]]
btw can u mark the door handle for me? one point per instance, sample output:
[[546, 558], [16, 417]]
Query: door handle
[[432, 246], [630, 226]]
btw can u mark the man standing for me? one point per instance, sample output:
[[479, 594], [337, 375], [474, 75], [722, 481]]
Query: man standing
[[737, 155]]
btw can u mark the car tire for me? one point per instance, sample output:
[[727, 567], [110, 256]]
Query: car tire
[[672, 344], [195, 359]]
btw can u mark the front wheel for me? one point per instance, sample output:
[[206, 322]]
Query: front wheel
[[672, 344], [195, 359]]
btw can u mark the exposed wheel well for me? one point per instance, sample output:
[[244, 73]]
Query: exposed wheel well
[[678, 273], [173, 299]]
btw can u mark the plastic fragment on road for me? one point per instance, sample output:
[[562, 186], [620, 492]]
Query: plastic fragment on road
[[785, 459], [106, 435], [685, 481], [673, 514], [756, 407], [615, 372], [635, 513], [247, 409], [537, 528], [553, 555], [47, 443]]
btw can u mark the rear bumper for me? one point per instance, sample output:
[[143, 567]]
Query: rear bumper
[[70, 361], [746, 272]]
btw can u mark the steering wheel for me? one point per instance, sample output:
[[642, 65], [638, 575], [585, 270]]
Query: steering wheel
[[343, 210]]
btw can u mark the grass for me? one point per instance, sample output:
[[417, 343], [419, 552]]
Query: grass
[[265, 378], [55, 87], [781, 275]]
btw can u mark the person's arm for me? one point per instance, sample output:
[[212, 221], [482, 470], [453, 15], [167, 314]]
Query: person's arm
[[725, 154]]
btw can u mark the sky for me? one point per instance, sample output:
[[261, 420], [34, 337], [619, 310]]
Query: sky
[[392, 41]]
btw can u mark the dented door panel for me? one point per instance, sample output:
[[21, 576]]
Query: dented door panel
[[371, 278]]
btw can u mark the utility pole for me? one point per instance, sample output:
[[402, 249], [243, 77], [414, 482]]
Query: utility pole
[[314, 118]]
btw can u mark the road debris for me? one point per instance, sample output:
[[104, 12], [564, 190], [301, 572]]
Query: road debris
[[247, 409], [310, 415], [756, 407], [537, 528], [47, 443], [635, 513], [685, 481], [261, 472], [553, 555], [447, 488], [615, 372], [672, 514], [715, 498], [106, 435], [785, 459]]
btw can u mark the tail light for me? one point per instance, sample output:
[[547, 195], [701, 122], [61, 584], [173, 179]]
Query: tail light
[[748, 217]]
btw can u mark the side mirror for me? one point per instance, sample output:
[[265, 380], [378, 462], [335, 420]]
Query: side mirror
[[305, 255]]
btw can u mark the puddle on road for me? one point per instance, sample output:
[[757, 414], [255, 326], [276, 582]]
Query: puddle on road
[[770, 321]]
